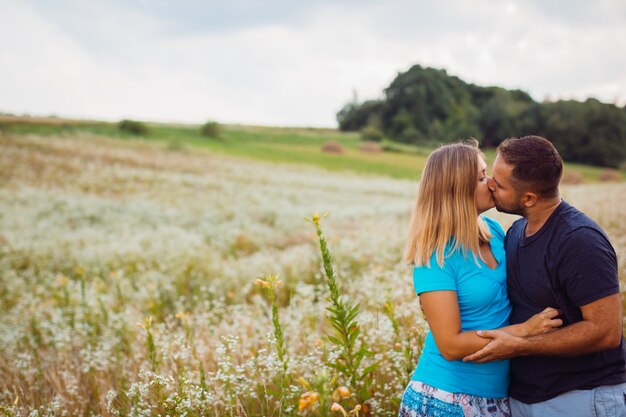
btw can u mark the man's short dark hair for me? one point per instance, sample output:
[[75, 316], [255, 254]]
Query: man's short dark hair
[[537, 165]]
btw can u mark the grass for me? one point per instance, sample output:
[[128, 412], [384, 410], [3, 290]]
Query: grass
[[129, 274], [274, 144], [128, 283]]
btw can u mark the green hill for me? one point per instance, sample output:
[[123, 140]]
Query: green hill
[[275, 144]]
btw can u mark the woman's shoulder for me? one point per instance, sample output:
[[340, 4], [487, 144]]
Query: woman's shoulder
[[452, 255], [433, 276], [494, 226]]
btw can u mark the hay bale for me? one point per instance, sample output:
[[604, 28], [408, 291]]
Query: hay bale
[[332, 147], [572, 177], [370, 147], [610, 175]]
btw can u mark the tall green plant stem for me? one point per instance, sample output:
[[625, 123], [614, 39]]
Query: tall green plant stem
[[342, 315]]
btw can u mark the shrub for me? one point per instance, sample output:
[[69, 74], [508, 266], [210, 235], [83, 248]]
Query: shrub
[[332, 147], [133, 127], [610, 175], [210, 129], [371, 147], [572, 177], [175, 146], [410, 135], [372, 134], [391, 146]]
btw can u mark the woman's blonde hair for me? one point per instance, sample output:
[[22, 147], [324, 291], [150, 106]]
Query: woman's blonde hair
[[445, 208]]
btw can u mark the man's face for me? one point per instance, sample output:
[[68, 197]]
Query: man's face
[[506, 197]]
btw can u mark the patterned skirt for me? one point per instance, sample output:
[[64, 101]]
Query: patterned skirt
[[421, 400]]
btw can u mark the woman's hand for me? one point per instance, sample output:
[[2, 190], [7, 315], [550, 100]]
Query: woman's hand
[[543, 322]]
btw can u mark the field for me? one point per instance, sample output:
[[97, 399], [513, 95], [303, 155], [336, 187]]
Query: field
[[130, 266], [299, 146]]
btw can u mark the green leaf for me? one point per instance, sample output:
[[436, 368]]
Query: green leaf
[[334, 340], [370, 369], [354, 334]]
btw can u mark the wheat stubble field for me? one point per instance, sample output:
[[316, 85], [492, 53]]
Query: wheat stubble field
[[128, 280]]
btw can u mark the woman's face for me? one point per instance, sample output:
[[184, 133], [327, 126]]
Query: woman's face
[[483, 197]]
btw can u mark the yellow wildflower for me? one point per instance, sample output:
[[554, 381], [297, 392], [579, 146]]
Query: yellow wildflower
[[338, 407], [268, 281], [356, 410], [271, 278], [146, 323], [308, 399], [262, 283], [304, 382], [316, 218], [340, 393]]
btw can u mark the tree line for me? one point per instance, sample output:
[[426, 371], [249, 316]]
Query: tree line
[[427, 106]]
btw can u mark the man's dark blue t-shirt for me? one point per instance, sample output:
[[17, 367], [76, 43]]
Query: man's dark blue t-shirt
[[568, 263]]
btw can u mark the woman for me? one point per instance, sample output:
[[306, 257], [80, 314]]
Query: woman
[[460, 276]]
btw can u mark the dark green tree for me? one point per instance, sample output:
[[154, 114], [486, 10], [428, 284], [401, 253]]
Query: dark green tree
[[502, 114], [591, 132], [428, 106], [354, 116]]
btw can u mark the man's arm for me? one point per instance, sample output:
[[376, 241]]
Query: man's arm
[[441, 310], [600, 329]]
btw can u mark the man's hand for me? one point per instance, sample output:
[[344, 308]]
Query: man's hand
[[503, 346], [600, 329]]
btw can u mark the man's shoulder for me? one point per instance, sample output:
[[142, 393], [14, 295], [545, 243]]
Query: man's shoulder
[[517, 225], [576, 234], [571, 222]]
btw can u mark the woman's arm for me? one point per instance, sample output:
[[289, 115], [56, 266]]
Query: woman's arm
[[441, 309]]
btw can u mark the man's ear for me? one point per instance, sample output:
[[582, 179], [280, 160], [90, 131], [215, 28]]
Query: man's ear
[[529, 199]]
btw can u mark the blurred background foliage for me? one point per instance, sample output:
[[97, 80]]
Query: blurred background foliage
[[426, 106]]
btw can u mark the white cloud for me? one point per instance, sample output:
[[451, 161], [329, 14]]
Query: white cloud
[[110, 61]]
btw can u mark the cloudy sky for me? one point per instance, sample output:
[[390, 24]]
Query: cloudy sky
[[286, 62]]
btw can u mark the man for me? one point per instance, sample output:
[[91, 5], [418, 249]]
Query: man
[[558, 257]]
